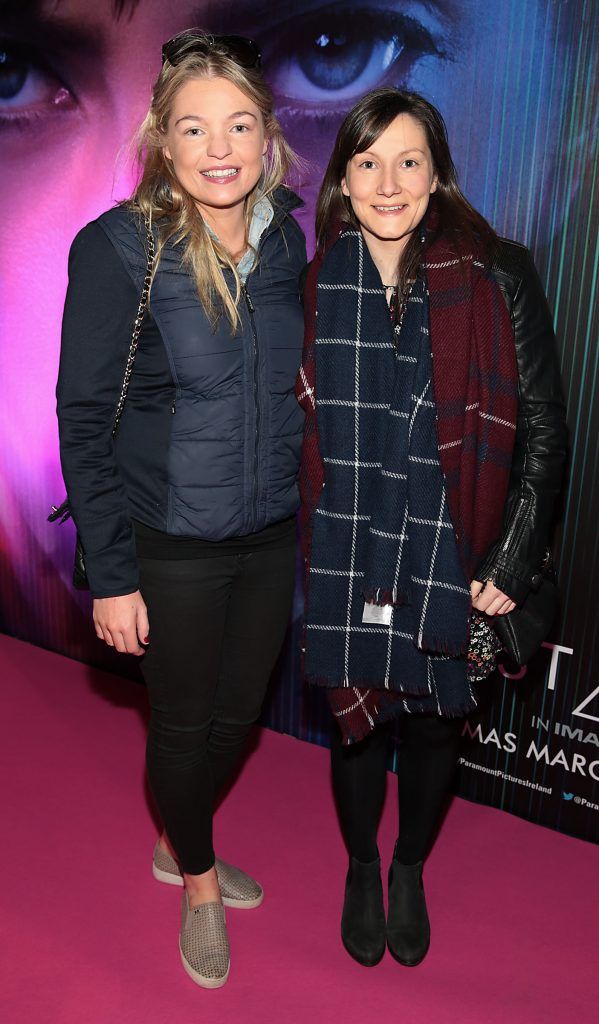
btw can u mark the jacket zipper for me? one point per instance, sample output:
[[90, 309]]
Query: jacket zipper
[[256, 473], [273, 226], [518, 523], [169, 489]]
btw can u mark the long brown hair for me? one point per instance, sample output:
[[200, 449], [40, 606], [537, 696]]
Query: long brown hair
[[456, 218], [160, 196]]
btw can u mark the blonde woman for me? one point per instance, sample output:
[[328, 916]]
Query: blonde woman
[[186, 515]]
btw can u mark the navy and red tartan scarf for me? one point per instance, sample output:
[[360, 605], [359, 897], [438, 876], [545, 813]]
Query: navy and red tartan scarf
[[475, 390]]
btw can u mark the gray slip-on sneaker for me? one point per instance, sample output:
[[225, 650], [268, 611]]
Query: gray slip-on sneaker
[[165, 868], [204, 943], [237, 889]]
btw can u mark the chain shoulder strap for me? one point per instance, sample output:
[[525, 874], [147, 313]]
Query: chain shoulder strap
[[143, 305]]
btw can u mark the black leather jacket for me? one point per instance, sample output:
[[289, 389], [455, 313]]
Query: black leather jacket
[[513, 563], [515, 560]]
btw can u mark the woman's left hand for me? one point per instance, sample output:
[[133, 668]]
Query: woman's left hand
[[487, 598]]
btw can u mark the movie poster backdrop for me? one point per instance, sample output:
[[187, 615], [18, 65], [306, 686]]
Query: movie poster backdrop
[[516, 81]]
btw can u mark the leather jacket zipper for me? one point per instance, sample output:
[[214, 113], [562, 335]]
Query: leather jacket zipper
[[519, 521], [256, 473]]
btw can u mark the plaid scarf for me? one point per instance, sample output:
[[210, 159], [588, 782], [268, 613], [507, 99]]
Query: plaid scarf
[[387, 412]]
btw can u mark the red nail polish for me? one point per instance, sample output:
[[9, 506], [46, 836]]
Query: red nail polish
[[147, 640]]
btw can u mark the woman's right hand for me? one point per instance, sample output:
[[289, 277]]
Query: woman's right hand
[[122, 622]]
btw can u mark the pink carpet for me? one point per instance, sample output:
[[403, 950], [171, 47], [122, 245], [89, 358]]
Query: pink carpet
[[89, 937]]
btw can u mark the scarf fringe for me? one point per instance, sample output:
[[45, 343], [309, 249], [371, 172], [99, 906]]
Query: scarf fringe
[[366, 684], [441, 645], [392, 710]]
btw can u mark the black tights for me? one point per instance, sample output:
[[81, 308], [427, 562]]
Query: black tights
[[216, 628], [428, 758]]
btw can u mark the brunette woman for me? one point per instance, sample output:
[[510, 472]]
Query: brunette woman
[[187, 515], [433, 452]]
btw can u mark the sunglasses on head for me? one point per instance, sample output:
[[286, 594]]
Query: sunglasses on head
[[243, 51]]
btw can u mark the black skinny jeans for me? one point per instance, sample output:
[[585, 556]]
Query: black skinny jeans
[[427, 762], [216, 628]]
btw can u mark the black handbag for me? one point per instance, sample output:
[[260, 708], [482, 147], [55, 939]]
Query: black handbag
[[62, 512], [522, 631]]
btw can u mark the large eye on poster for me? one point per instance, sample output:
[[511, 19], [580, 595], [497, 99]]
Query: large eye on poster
[[511, 78]]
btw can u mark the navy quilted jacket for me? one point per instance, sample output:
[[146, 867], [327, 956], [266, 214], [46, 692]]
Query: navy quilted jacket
[[208, 445]]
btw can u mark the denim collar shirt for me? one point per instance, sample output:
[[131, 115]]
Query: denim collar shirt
[[261, 218]]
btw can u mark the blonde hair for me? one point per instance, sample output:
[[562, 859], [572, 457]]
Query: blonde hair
[[160, 196]]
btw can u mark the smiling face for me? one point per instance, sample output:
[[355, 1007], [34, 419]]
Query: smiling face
[[389, 185], [215, 141]]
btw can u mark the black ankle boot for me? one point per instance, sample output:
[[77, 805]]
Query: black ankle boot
[[408, 927], [363, 918]]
